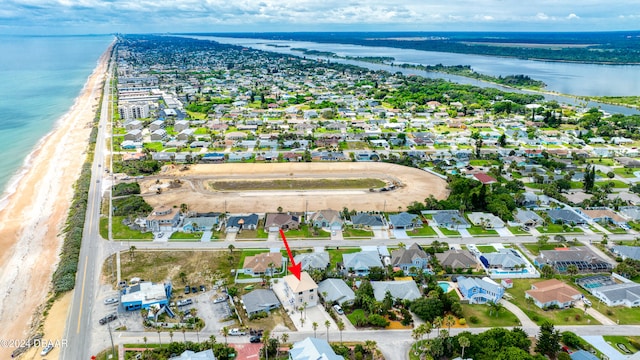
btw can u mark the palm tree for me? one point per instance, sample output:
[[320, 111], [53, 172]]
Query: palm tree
[[427, 329], [494, 306], [231, 247], [225, 333], [449, 320], [370, 346], [159, 339], [340, 328], [572, 270], [145, 346], [184, 335], [315, 327], [327, 324], [437, 323], [464, 342], [285, 337], [171, 335], [132, 251]]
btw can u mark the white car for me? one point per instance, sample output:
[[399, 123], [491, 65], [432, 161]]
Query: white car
[[586, 301], [47, 349], [110, 301], [236, 332]]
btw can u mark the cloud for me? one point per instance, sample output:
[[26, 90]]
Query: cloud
[[299, 15]]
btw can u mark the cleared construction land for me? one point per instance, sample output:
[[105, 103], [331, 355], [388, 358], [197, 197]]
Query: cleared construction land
[[292, 186]]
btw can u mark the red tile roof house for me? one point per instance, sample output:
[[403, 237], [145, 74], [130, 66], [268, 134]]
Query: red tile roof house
[[552, 292], [484, 178]]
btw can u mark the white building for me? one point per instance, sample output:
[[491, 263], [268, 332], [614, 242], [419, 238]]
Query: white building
[[301, 291], [132, 111]]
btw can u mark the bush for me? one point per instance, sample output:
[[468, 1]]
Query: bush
[[578, 317], [462, 321], [474, 320], [131, 205], [376, 320], [124, 189]]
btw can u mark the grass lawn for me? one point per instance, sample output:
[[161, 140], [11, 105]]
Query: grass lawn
[[624, 172], [305, 232], [121, 231], [423, 231], [486, 249], [477, 162], [447, 232], [351, 232], [627, 316], [535, 248], [478, 230], [599, 161], [354, 315], [595, 230], [613, 340], [557, 229], [153, 146], [571, 316], [481, 312], [617, 184], [250, 252], [335, 255], [188, 236], [516, 230], [253, 234]]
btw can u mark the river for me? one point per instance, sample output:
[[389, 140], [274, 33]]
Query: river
[[566, 78]]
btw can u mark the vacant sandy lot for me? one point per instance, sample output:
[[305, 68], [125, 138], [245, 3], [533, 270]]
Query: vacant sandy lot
[[414, 185]]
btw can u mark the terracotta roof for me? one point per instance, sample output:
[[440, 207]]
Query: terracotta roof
[[549, 290], [260, 262], [484, 178], [304, 284]]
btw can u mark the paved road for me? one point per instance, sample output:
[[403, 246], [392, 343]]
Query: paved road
[[79, 322]]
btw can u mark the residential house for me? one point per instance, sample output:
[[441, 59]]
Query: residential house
[[506, 283], [277, 221], [505, 259], [133, 135], [413, 257], [242, 222], [585, 260], [486, 220], [484, 178], [457, 259], [479, 291], [401, 290], [163, 156], [260, 300], [313, 348], [181, 125], [605, 216], [528, 218], [626, 252], [566, 216], [368, 221], [361, 262], [313, 260], [133, 125], [191, 355], [450, 219], [326, 219], [552, 293], [163, 218], [405, 221], [618, 294], [186, 134], [201, 223], [336, 291], [583, 355], [269, 263], [155, 125], [158, 135], [301, 292]]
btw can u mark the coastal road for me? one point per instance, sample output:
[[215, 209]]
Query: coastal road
[[80, 322]]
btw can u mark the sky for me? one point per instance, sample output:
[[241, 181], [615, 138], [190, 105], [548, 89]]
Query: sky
[[58, 17]]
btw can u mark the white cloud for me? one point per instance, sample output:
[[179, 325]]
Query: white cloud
[[573, 16]]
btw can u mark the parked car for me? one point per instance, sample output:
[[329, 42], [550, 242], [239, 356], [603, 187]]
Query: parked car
[[255, 339], [187, 289], [202, 288], [586, 301], [338, 309], [47, 349], [194, 289], [237, 332], [110, 301], [107, 319], [184, 302], [220, 299]]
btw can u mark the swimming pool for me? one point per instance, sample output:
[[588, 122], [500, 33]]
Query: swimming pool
[[443, 285], [523, 271]]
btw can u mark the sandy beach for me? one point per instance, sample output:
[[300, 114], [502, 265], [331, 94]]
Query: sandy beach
[[33, 218]]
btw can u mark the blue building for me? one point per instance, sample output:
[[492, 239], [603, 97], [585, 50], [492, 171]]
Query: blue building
[[479, 291], [144, 295]]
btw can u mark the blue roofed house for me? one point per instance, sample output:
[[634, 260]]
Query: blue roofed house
[[479, 291], [201, 223], [144, 295], [528, 218], [242, 222], [583, 355], [566, 216], [368, 221], [401, 290], [361, 262], [627, 252], [313, 349], [413, 257], [313, 260], [260, 300], [450, 219], [336, 291], [405, 221], [505, 259]]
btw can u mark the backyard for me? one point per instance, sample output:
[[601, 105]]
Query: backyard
[[479, 315]]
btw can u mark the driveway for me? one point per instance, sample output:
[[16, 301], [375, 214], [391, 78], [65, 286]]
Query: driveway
[[231, 236], [464, 233], [525, 322], [504, 232], [381, 234], [336, 235], [400, 234], [604, 347]]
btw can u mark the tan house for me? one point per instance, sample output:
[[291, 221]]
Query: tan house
[[299, 292], [276, 221], [263, 264], [552, 292], [163, 218]]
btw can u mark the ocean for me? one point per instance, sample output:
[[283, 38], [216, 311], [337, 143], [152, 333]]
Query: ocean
[[40, 77]]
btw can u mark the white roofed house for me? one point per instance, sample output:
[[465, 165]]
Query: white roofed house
[[401, 290], [450, 219], [361, 262], [326, 219], [133, 135], [186, 134], [486, 220], [336, 291], [158, 135], [313, 349], [299, 292], [479, 291], [313, 260]]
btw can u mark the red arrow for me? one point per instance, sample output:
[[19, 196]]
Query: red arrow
[[294, 268]]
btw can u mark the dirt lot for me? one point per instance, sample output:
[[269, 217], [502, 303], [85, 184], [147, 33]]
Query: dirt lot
[[414, 185]]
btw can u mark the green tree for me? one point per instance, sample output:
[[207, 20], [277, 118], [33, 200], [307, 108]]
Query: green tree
[[464, 342], [543, 240], [548, 340]]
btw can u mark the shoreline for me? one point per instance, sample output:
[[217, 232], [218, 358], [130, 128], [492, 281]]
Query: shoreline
[[34, 207]]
